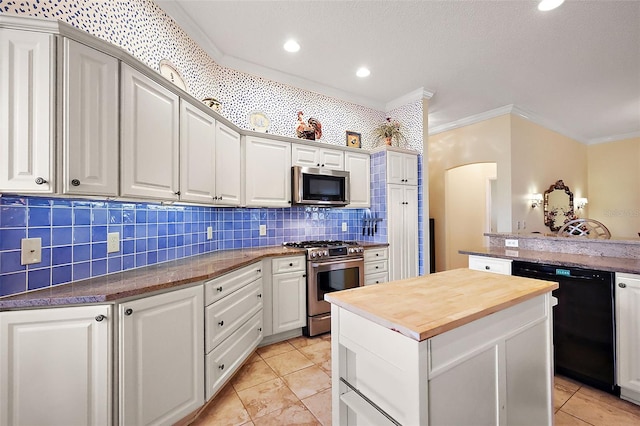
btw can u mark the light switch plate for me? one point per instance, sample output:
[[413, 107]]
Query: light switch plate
[[209, 232], [263, 230], [113, 242], [510, 243], [30, 251]]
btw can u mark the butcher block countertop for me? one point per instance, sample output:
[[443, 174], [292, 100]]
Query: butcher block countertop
[[429, 305]]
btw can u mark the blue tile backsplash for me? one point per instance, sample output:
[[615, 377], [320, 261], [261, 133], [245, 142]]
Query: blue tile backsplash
[[74, 235]]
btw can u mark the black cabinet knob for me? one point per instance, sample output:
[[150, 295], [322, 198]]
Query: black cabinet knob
[[100, 318], [40, 181], [177, 192], [128, 311], [221, 323], [219, 289], [291, 264], [75, 182], [221, 366], [622, 285], [259, 295]]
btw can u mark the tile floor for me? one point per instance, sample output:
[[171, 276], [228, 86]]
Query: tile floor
[[289, 383]]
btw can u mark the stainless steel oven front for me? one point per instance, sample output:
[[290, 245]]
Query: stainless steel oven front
[[325, 276]]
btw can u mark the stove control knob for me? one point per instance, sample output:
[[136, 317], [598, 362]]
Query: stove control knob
[[351, 250], [326, 253], [360, 249], [313, 254]]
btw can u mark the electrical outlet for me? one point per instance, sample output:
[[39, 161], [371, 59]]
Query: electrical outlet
[[30, 251], [344, 226], [263, 230], [511, 243], [209, 232], [113, 242]]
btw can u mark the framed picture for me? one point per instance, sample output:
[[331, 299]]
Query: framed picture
[[353, 139]]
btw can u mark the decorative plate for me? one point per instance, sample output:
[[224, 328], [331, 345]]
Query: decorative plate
[[259, 121], [169, 71]]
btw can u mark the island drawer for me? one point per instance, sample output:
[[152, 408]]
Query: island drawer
[[490, 264], [376, 254], [218, 288], [224, 316], [280, 265]]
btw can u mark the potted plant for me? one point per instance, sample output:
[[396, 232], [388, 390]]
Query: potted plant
[[389, 131]]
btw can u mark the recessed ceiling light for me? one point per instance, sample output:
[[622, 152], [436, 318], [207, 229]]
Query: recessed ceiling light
[[546, 5], [291, 46], [363, 72]]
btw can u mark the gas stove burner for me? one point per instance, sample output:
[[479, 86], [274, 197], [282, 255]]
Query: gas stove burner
[[319, 243]]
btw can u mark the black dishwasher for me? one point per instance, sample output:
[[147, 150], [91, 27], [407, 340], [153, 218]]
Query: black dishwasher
[[583, 322]]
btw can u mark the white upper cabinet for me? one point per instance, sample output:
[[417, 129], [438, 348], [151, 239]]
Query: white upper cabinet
[[358, 166], [267, 172], [150, 139], [402, 168], [27, 75], [197, 154], [311, 156], [89, 121], [228, 166]]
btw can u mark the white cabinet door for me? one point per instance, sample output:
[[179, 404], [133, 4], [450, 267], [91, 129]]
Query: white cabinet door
[[228, 166], [27, 73], [55, 366], [90, 121], [628, 322], [197, 154], [402, 205], [149, 148], [402, 168], [267, 173], [289, 301], [311, 156], [359, 179], [161, 357]]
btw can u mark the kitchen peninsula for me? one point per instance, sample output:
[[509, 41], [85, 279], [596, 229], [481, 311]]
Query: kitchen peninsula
[[456, 347]]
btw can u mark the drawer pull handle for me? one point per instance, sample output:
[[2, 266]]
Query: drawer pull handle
[[128, 311], [622, 285], [370, 402], [377, 254], [219, 289], [377, 282], [260, 329], [221, 366], [291, 264], [221, 323], [100, 318], [487, 267], [377, 267]]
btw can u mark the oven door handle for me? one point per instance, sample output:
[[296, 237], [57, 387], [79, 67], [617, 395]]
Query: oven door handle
[[337, 262]]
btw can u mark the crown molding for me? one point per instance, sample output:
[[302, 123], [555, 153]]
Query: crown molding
[[614, 138], [30, 23], [548, 124], [410, 97], [472, 119]]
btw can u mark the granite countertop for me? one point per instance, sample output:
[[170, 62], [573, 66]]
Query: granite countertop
[[162, 276], [603, 263], [426, 306]]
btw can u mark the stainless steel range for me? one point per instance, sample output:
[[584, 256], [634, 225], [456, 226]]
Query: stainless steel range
[[331, 266]]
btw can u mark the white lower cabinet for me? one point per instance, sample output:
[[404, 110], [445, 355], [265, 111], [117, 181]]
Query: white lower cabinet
[[628, 335], [289, 293], [55, 366], [233, 323], [161, 346], [490, 264], [376, 266]]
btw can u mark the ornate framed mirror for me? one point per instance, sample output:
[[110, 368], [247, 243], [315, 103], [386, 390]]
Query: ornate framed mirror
[[558, 206]]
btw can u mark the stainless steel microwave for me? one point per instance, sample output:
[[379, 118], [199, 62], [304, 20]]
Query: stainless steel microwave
[[319, 186]]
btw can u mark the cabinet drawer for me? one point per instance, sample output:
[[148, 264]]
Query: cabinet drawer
[[229, 355], [379, 278], [288, 264], [219, 287], [375, 267], [224, 316], [490, 264], [376, 254]]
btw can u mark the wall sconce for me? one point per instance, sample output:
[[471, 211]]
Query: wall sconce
[[536, 200], [581, 203]]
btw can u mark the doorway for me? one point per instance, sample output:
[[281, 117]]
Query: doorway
[[468, 194]]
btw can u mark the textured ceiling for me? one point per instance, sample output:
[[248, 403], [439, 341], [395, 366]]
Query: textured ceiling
[[576, 68]]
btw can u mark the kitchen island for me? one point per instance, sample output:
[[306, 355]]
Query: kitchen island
[[456, 347]]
